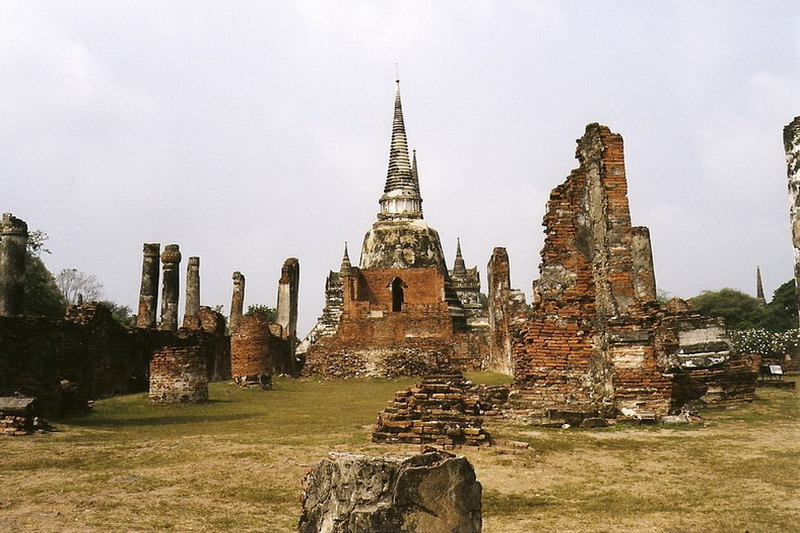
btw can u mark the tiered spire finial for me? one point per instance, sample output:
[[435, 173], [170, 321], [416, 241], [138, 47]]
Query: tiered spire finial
[[346, 266], [401, 199], [399, 174], [760, 288], [459, 267]]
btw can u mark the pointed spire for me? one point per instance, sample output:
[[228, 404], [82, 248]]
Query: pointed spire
[[346, 266], [399, 174], [760, 288], [401, 199], [460, 267], [415, 177]]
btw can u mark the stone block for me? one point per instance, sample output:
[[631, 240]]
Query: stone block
[[427, 493]]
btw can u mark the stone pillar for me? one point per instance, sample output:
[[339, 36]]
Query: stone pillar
[[237, 301], [791, 143], [12, 264], [170, 260], [644, 277], [499, 280], [288, 287], [148, 293], [192, 307]]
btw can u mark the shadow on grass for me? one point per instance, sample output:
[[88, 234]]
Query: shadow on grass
[[87, 421]]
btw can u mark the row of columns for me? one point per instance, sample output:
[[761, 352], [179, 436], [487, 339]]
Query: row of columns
[[170, 289], [288, 287]]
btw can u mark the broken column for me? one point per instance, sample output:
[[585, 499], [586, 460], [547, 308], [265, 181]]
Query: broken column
[[237, 301], [170, 261], [644, 277], [192, 306], [14, 235], [791, 143], [427, 493], [148, 293], [506, 306], [288, 287]]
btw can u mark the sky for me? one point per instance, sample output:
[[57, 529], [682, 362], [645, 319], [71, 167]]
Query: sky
[[248, 132]]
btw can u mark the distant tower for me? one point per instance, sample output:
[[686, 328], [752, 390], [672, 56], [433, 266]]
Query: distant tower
[[791, 143], [760, 288]]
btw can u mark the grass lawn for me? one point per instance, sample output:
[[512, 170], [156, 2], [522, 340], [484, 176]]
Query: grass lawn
[[235, 464]]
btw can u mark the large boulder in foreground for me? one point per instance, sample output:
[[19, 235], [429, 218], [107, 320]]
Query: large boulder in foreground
[[430, 493]]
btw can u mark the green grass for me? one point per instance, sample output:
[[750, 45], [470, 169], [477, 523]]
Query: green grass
[[235, 464]]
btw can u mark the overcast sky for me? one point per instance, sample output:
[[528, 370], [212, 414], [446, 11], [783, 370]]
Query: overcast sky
[[248, 131]]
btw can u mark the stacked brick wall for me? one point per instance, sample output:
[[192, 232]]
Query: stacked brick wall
[[89, 350], [414, 357], [179, 375], [437, 410], [730, 382], [250, 352]]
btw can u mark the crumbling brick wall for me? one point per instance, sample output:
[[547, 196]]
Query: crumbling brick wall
[[90, 350], [596, 338]]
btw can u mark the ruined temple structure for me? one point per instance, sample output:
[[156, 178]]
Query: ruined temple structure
[[400, 311], [791, 143], [596, 340], [260, 347]]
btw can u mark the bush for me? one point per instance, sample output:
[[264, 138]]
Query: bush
[[766, 343]]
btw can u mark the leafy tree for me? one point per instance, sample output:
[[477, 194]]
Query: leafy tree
[[36, 240], [42, 296], [740, 310], [121, 313], [73, 283], [271, 312], [783, 308]]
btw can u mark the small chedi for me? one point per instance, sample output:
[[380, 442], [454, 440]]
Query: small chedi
[[400, 312], [438, 410], [428, 493], [595, 340], [178, 375]]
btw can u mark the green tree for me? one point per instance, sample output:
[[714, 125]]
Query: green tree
[[121, 313], [740, 310], [783, 308], [271, 312], [42, 296]]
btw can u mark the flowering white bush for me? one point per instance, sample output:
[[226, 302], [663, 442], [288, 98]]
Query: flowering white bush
[[766, 343]]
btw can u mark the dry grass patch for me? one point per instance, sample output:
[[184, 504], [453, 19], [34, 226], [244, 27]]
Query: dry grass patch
[[235, 464]]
